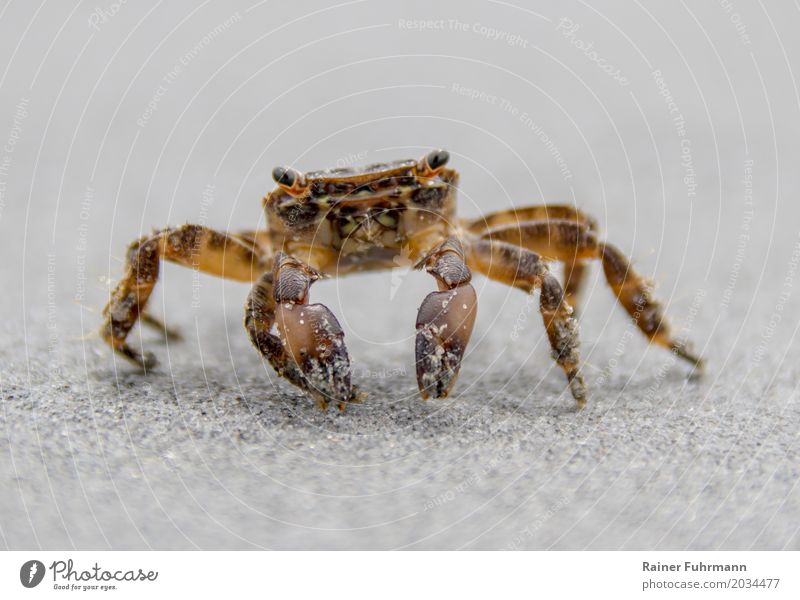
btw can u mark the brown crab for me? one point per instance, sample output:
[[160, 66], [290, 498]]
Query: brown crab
[[338, 221]]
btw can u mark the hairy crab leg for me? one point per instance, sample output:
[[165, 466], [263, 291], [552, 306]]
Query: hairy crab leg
[[524, 269], [536, 212], [569, 241], [576, 270], [213, 252]]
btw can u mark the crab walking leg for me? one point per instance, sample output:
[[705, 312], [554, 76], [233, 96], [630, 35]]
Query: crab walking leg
[[567, 241], [156, 324], [539, 212], [445, 320], [524, 269], [636, 296], [193, 246], [575, 274], [309, 349], [576, 270]]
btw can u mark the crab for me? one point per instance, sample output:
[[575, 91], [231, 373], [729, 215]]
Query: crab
[[339, 221]]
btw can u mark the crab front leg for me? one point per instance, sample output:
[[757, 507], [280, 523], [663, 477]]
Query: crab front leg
[[309, 349], [223, 254], [445, 320]]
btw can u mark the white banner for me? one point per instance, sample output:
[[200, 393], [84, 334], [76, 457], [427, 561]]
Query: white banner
[[399, 575]]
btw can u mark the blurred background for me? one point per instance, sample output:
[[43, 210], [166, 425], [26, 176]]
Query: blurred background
[[675, 125]]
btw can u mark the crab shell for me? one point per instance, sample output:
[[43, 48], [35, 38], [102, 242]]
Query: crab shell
[[363, 217]]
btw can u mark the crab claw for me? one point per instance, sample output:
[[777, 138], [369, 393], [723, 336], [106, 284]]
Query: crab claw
[[444, 325], [314, 339]]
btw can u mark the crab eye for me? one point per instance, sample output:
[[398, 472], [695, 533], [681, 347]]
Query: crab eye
[[437, 159], [285, 176]]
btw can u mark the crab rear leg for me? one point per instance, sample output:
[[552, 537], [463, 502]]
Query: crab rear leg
[[525, 269], [536, 212], [576, 272], [567, 241], [309, 349], [576, 269], [167, 332], [445, 320]]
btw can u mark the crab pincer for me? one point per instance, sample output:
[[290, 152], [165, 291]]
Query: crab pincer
[[444, 321], [311, 335], [314, 339]]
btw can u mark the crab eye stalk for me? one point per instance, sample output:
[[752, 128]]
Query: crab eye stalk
[[433, 162], [291, 180]]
